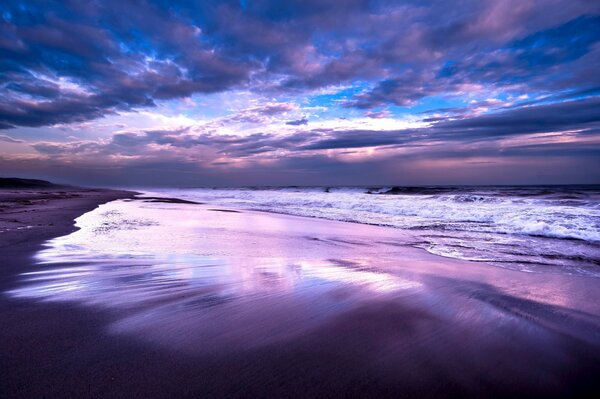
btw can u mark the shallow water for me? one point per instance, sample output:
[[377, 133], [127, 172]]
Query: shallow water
[[552, 229], [226, 279]]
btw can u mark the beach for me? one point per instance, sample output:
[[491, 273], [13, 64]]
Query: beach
[[159, 298]]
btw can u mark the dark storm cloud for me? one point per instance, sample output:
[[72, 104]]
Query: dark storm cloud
[[69, 61]]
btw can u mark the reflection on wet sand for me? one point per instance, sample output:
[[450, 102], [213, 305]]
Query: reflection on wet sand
[[218, 282], [295, 302], [351, 302]]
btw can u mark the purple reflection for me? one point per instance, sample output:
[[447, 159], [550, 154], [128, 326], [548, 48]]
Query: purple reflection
[[200, 280]]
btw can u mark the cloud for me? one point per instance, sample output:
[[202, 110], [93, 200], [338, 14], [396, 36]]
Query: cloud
[[577, 121], [572, 115], [298, 122], [64, 62], [378, 114], [63, 71], [8, 139], [211, 88], [262, 113], [542, 61]]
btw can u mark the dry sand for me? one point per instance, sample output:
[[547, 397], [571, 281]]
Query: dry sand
[[463, 329]]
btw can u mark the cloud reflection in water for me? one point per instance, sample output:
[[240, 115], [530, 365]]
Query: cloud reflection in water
[[201, 281]]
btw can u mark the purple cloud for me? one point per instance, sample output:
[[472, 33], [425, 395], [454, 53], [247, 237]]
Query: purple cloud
[[480, 78]]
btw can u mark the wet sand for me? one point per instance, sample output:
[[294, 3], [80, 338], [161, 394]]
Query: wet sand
[[345, 310]]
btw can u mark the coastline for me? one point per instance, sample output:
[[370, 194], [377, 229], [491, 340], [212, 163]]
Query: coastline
[[440, 343], [30, 216]]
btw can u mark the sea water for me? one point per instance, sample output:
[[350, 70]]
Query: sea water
[[552, 229]]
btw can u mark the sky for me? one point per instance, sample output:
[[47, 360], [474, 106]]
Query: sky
[[308, 92]]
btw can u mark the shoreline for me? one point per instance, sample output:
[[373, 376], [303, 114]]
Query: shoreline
[[31, 216], [383, 347], [403, 231], [553, 233]]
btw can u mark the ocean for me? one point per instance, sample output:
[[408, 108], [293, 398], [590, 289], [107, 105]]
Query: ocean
[[554, 229]]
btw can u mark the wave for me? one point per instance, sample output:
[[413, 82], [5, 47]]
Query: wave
[[485, 212], [489, 220]]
